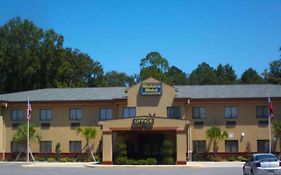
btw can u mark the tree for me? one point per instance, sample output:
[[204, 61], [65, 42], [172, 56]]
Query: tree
[[20, 136], [88, 134], [250, 76], [204, 74], [215, 134], [114, 78], [33, 58], [276, 126], [154, 65], [274, 74], [176, 76], [225, 74]]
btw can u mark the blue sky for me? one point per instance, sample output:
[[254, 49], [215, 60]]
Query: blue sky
[[119, 33]]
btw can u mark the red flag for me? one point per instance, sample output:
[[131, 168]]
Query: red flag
[[28, 110], [270, 108]]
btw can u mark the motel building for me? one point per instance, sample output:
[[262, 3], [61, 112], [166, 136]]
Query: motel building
[[143, 116]]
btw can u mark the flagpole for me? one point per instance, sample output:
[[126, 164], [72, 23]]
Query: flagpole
[[27, 146], [269, 132]]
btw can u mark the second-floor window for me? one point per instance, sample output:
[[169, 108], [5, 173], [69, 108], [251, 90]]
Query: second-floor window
[[262, 112], [45, 114], [17, 115], [174, 112], [105, 113], [129, 112], [198, 112], [75, 114], [230, 112]]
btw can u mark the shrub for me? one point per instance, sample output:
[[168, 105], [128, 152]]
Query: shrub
[[41, 159], [167, 151], [151, 161], [231, 158], [121, 160], [51, 159], [242, 159], [58, 151], [215, 158]]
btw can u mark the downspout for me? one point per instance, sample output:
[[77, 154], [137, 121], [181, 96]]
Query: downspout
[[5, 105]]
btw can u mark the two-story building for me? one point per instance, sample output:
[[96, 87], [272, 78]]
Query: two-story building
[[143, 116]]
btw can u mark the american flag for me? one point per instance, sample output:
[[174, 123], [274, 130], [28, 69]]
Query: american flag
[[28, 110], [270, 108]]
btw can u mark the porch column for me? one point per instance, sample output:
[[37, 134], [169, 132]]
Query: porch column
[[107, 147], [181, 147]]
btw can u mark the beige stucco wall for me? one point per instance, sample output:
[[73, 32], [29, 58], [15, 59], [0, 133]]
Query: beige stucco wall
[[1, 133], [245, 123], [153, 104]]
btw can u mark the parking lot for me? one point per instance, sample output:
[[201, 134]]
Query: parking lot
[[210, 169]]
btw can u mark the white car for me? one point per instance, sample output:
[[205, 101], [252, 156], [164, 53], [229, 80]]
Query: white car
[[262, 164]]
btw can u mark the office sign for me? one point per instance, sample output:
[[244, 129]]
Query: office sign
[[151, 89], [143, 121]]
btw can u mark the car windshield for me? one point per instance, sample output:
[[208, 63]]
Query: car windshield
[[265, 156]]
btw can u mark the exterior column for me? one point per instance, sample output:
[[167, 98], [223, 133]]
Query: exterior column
[[181, 147], [107, 148]]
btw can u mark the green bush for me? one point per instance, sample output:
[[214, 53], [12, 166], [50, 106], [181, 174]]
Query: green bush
[[58, 151], [121, 160], [41, 159], [51, 159], [151, 161], [231, 158], [242, 159], [167, 151], [215, 158]]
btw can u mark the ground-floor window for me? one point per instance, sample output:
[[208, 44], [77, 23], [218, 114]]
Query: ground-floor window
[[231, 146], [262, 146], [199, 146], [16, 147], [74, 146], [45, 146]]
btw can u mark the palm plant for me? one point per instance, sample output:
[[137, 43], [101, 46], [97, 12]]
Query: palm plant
[[276, 126], [215, 134], [88, 134], [20, 136]]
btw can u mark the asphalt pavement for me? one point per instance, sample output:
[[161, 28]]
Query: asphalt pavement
[[76, 169]]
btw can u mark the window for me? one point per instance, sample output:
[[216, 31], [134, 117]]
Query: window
[[230, 124], [15, 125], [263, 123], [74, 146], [105, 114], [230, 112], [199, 146], [45, 114], [198, 124], [17, 115], [74, 125], [198, 112], [75, 114], [16, 147], [262, 112], [174, 112], [263, 146], [129, 112], [45, 146], [45, 125], [231, 146]]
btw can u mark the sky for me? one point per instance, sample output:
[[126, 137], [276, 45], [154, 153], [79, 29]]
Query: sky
[[119, 33]]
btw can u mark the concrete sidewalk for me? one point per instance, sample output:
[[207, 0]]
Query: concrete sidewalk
[[92, 165]]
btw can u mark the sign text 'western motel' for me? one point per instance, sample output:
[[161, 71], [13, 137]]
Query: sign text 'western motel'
[[151, 89]]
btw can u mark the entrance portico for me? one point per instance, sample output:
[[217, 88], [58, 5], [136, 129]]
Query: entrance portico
[[174, 129]]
